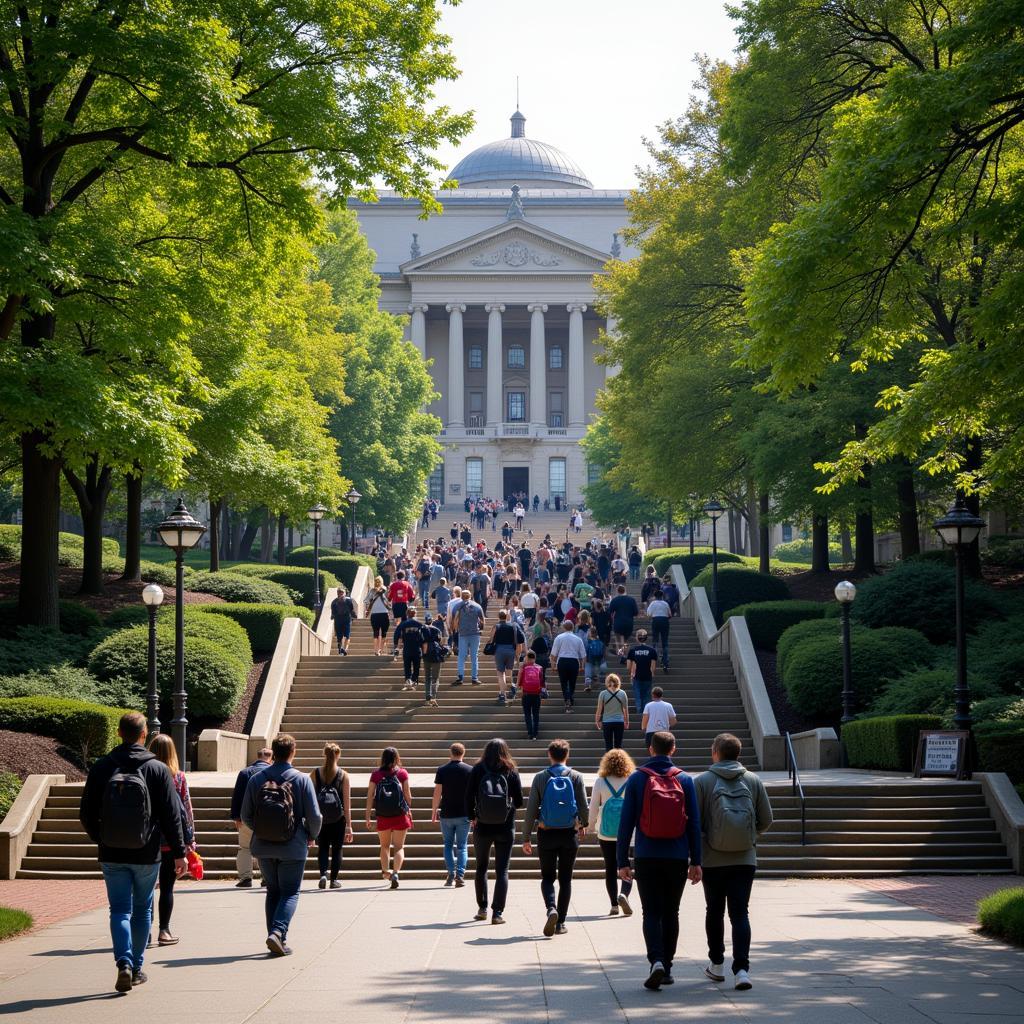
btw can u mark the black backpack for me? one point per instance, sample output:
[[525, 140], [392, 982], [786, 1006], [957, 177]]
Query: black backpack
[[328, 798], [389, 800], [275, 820], [493, 802], [126, 811]]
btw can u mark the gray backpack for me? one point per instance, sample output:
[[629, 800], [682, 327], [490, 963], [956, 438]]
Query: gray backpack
[[732, 826]]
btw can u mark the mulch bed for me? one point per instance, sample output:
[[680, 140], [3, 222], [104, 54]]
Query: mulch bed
[[26, 754], [786, 716], [241, 720], [821, 586]]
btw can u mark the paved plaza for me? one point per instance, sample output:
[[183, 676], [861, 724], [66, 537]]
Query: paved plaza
[[825, 952]]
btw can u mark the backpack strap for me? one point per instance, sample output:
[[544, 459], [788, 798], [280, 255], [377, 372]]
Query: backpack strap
[[615, 792]]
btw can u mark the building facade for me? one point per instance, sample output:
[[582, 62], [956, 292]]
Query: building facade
[[499, 291]]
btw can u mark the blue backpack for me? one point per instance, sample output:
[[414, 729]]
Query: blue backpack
[[611, 810], [558, 806], [595, 649]]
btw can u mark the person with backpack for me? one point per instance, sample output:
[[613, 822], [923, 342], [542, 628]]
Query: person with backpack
[[623, 610], [641, 659], [243, 859], [611, 715], [334, 798], [660, 612], [558, 807], [635, 560], [658, 716], [734, 811], [280, 807], [378, 607], [596, 665], [505, 643], [401, 594], [162, 746], [605, 813], [389, 796], [448, 808], [408, 634], [493, 794], [435, 651], [660, 808], [467, 623], [531, 685], [342, 610], [129, 807]]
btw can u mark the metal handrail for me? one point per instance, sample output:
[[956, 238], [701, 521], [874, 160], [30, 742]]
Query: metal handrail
[[793, 770]]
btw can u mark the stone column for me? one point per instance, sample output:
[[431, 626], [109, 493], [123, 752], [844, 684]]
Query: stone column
[[418, 327], [577, 368], [456, 377], [494, 363], [538, 366], [612, 330]]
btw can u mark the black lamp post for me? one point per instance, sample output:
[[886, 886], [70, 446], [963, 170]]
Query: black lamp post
[[180, 532], [152, 598], [352, 498], [316, 513], [959, 529], [845, 594], [714, 511]]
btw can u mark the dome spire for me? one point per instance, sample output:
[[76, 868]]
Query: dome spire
[[518, 125]]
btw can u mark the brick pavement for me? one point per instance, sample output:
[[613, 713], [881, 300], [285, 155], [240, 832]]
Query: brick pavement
[[52, 900], [953, 897]]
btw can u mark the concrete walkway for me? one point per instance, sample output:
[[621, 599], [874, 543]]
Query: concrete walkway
[[825, 952]]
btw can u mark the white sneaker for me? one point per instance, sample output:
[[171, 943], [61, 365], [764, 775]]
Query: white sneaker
[[743, 981], [716, 972]]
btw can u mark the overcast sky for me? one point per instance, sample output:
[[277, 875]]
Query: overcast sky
[[596, 76]]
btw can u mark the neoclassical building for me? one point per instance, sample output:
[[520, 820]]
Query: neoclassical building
[[499, 290]]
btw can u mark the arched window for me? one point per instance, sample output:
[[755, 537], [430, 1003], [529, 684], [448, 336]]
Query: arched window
[[516, 357], [555, 357], [476, 358]]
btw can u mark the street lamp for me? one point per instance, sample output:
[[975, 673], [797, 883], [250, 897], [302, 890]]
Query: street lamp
[[152, 598], [845, 594], [352, 498], [714, 511], [316, 513], [180, 532], [959, 529]]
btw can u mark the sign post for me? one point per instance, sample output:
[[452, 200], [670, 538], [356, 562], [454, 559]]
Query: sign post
[[942, 754]]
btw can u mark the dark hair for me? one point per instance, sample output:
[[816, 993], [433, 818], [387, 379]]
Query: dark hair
[[131, 727], [663, 743], [727, 746], [559, 749], [657, 692], [401, 574], [283, 746], [390, 760], [659, 594], [497, 757], [621, 589]]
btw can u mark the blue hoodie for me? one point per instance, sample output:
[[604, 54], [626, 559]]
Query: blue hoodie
[[686, 847]]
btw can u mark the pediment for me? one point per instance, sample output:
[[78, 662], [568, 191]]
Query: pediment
[[510, 248]]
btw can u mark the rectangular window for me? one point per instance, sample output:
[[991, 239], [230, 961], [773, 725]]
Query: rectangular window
[[555, 409], [555, 357], [787, 533], [476, 358], [474, 477], [556, 478], [516, 357], [516, 406], [556, 420], [594, 472], [476, 401], [436, 483]]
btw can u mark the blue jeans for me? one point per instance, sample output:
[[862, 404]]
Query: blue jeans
[[283, 879], [642, 694], [455, 832], [472, 645], [634, 572], [130, 894], [424, 586]]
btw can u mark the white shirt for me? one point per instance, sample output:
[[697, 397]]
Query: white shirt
[[528, 600], [659, 715], [568, 645], [659, 610]]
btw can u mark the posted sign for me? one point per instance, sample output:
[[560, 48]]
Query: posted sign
[[941, 753]]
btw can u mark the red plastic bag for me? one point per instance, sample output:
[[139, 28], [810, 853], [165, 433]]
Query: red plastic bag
[[195, 864]]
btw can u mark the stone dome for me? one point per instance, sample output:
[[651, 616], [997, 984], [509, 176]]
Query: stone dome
[[518, 160]]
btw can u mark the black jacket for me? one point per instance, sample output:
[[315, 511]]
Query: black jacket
[[165, 807], [238, 793]]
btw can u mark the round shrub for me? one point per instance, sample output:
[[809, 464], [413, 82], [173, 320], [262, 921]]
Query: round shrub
[[298, 580], [922, 596], [164, 574], [345, 567], [664, 558], [739, 585], [807, 630], [35, 648], [128, 615], [304, 555], [999, 748], [89, 729], [768, 620], [999, 709], [813, 674], [228, 634], [71, 683], [1002, 915], [925, 691], [262, 622], [232, 586]]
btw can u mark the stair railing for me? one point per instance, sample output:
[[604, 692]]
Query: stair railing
[[793, 770]]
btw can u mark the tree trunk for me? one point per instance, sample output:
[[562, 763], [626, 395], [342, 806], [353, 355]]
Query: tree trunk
[[906, 498], [92, 494], [846, 544], [731, 520], [972, 556], [133, 527], [252, 527], [216, 516], [225, 530], [819, 544], [266, 546], [234, 537], [282, 553], [764, 529], [753, 520], [668, 528], [38, 590]]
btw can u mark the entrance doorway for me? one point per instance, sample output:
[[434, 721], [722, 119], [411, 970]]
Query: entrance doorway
[[516, 480]]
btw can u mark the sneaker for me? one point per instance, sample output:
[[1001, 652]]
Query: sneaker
[[614, 912], [124, 978], [561, 930], [245, 883], [394, 879], [458, 681], [276, 945], [481, 914], [139, 978], [551, 923], [501, 699], [323, 882], [449, 881], [497, 919], [743, 981], [475, 682], [627, 910], [459, 881], [335, 884], [716, 972], [655, 978], [343, 652], [668, 980]]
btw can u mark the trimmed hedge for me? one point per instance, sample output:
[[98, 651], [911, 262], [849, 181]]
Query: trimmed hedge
[[925, 691], [664, 558], [996, 653], [333, 560], [304, 555], [888, 743], [813, 675], [89, 729], [801, 551], [809, 629], [1002, 915], [164, 574], [1000, 746], [70, 547], [738, 585], [922, 596], [33, 648], [74, 618], [768, 620], [297, 580], [232, 586], [262, 622]]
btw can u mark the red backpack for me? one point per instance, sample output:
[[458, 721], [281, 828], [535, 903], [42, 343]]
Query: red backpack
[[663, 813]]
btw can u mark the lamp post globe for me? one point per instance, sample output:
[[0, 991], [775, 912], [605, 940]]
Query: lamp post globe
[[714, 511], [316, 513], [352, 498], [152, 598]]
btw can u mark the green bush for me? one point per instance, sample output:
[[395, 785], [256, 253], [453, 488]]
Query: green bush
[[813, 675], [233, 586], [937, 556], [925, 691], [664, 558], [345, 567], [1004, 553], [304, 556], [1000, 746], [69, 547], [128, 615], [88, 729], [36, 648], [739, 585], [996, 653], [74, 618], [262, 622], [768, 620], [298, 580], [809, 629], [158, 572], [922, 596], [73, 683], [888, 744], [10, 787], [1002, 915], [999, 709], [801, 551]]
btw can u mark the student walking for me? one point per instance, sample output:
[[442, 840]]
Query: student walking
[[342, 610], [605, 815], [129, 803], [506, 641], [401, 594], [448, 807], [494, 792], [467, 622], [569, 654], [531, 685], [734, 811], [660, 807], [434, 653], [243, 859], [660, 612], [334, 798], [379, 608], [162, 746], [623, 611], [659, 715], [389, 796], [409, 635], [641, 659], [558, 807], [611, 715]]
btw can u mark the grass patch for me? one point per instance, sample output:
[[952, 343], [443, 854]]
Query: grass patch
[[13, 922], [1002, 914]]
